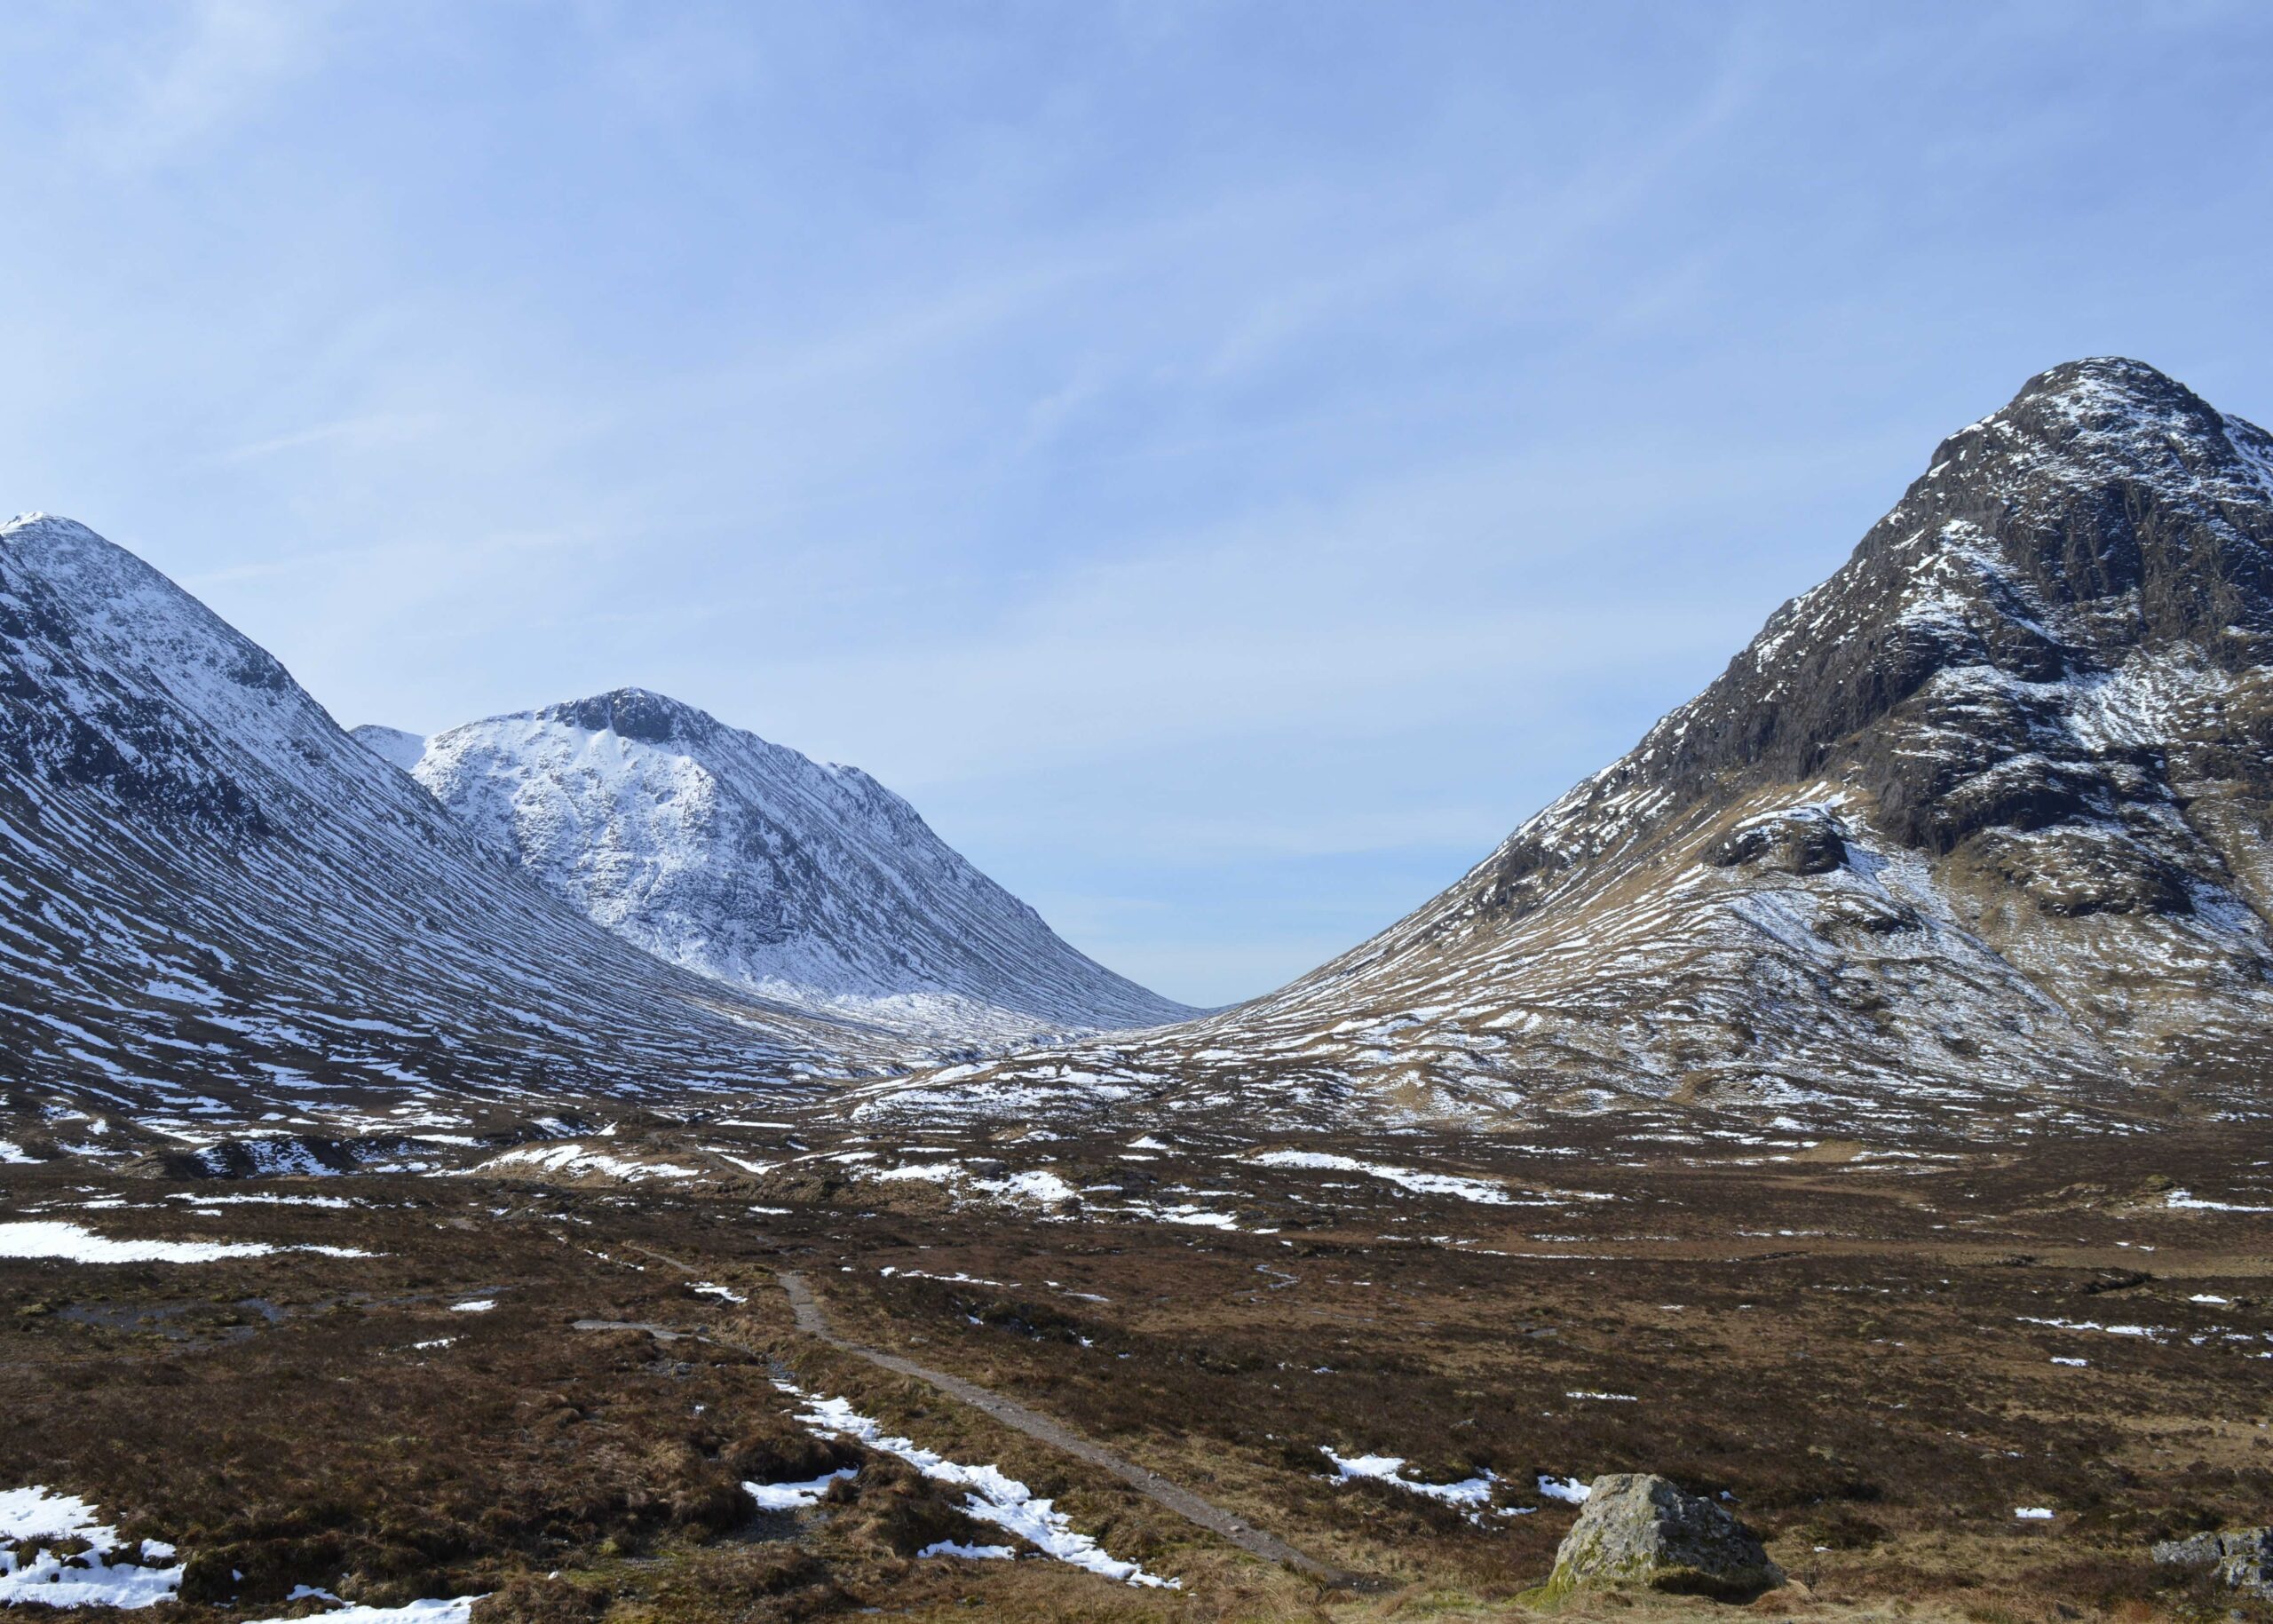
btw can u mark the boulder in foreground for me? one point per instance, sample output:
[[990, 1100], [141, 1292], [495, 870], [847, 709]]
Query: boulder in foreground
[[1643, 1531], [2243, 1558]]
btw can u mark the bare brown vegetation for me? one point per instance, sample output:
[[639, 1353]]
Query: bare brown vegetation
[[1861, 1356]]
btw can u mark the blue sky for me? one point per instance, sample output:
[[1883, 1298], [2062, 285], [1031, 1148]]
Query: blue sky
[[1226, 463]]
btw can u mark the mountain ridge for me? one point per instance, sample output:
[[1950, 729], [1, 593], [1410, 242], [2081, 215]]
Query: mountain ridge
[[1984, 812], [223, 908], [392, 745], [745, 860], [1979, 828]]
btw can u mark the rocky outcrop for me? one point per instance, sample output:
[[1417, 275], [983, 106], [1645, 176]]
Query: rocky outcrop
[[1643, 1531], [2240, 1557], [1806, 840]]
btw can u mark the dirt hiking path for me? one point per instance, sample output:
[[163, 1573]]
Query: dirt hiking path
[[1177, 1499], [813, 1322]]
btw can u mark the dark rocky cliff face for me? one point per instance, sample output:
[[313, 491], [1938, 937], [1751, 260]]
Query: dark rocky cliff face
[[635, 713], [2107, 512]]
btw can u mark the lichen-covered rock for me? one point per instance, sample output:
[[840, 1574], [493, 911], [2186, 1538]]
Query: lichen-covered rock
[[2243, 1558], [1642, 1530]]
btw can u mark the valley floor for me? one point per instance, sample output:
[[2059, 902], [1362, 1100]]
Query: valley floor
[[1397, 1355]]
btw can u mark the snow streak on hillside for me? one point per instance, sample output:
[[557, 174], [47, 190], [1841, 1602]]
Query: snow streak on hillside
[[217, 906]]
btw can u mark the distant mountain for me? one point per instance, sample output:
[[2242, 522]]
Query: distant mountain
[[390, 744], [219, 908], [1982, 820], [743, 861]]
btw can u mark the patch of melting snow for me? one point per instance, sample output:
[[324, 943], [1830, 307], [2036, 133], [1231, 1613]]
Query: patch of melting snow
[[1606, 1397], [2147, 1331], [53, 1237], [711, 1288], [795, 1496], [2076, 1363], [930, 1172], [995, 1498], [1389, 1469], [1036, 1186], [1570, 1491], [457, 1610], [1479, 1190], [573, 1159], [970, 1553], [474, 1306], [34, 1520], [2185, 1200], [957, 1278], [1187, 1212], [2033, 1514]]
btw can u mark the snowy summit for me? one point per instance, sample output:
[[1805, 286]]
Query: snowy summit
[[746, 862]]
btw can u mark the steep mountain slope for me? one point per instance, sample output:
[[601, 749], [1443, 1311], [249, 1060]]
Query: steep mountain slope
[[390, 744], [218, 906], [1982, 820], [744, 860]]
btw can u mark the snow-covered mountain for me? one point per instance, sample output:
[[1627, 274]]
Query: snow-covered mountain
[[218, 908], [390, 744], [746, 862], [1981, 821]]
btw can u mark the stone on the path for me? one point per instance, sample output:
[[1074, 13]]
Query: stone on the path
[[1641, 1529], [2243, 1558]]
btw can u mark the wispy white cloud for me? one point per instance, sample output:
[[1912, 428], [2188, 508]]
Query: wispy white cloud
[[200, 68], [364, 431]]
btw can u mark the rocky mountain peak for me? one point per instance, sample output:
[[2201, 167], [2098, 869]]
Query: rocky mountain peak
[[2115, 490], [2105, 520], [1988, 811], [153, 683], [2105, 415], [249, 907], [636, 713]]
